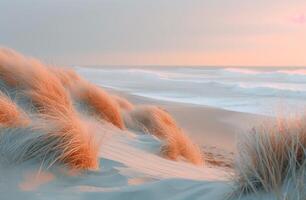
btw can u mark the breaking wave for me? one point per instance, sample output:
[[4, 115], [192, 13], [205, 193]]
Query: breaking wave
[[219, 87]]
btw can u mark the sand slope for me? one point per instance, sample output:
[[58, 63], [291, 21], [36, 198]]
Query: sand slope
[[130, 169], [74, 148]]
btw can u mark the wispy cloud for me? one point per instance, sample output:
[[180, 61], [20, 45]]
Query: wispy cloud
[[298, 19]]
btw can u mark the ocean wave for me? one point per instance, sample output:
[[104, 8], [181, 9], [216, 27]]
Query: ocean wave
[[233, 89], [130, 72], [248, 71], [129, 80], [261, 88], [243, 71], [301, 72]]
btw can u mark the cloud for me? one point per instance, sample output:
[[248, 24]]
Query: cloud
[[299, 19]]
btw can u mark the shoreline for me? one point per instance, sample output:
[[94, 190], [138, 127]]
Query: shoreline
[[209, 127]]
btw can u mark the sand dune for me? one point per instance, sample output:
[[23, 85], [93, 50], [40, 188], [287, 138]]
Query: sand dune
[[158, 122], [69, 142], [66, 138], [74, 146]]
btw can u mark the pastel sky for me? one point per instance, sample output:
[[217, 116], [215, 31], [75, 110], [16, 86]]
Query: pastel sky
[[157, 32]]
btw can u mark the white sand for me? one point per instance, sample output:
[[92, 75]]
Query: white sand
[[131, 167]]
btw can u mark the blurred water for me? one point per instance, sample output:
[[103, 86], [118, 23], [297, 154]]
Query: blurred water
[[267, 91]]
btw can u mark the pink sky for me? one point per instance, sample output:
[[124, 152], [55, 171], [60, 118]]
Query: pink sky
[[146, 32], [299, 18]]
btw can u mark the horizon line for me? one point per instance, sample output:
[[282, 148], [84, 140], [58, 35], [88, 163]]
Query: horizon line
[[208, 66]]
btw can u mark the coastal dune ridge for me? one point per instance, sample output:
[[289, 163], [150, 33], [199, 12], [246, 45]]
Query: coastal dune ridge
[[61, 132], [52, 92]]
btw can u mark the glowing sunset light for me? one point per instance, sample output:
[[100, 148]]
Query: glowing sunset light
[[145, 32], [299, 18]]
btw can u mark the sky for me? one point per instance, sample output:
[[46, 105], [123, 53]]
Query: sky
[[157, 32]]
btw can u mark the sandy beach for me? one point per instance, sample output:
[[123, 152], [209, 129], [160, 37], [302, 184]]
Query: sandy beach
[[208, 126], [215, 130]]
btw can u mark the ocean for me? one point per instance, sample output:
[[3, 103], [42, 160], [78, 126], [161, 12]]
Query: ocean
[[265, 91]]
